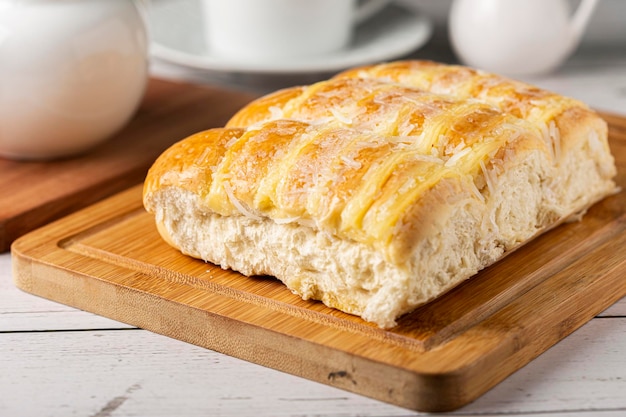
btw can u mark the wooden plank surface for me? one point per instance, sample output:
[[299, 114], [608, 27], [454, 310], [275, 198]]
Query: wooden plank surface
[[34, 193], [139, 373], [109, 259]]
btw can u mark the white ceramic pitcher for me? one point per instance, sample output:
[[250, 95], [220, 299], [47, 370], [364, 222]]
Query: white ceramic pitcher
[[517, 36], [72, 72]]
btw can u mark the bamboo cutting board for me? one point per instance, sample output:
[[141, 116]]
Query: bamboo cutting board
[[110, 260], [35, 193]]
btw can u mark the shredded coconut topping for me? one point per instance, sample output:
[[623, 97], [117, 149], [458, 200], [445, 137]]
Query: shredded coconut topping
[[455, 158], [276, 112], [487, 176], [555, 136], [341, 117], [350, 162], [233, 200], [475, 189]]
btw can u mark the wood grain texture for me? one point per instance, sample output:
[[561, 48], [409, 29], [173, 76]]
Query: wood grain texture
[[109, 259], [79, 373], [35, 193]]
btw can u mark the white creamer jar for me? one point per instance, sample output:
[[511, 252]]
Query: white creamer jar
[[72, 73], [517, 37]]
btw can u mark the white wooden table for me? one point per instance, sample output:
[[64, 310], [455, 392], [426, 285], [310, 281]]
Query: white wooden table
[[57, 361]]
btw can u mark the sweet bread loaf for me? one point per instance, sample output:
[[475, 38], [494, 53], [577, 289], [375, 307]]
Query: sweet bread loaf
[[382, 188]]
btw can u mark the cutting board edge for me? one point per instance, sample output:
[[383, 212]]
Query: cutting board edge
[[421, 392], [333, 367], [455, 387]]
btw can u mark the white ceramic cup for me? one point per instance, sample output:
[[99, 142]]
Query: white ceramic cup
[[249, 30]]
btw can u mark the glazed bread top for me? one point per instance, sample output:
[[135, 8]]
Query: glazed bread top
[[366, 155]]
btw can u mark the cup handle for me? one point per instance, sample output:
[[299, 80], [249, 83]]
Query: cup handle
[[368, 8]]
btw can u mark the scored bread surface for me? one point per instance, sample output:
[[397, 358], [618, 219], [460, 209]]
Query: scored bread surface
[[381, 188]]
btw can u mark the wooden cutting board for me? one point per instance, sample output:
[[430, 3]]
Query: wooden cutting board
[[110, 260], [34, 193]]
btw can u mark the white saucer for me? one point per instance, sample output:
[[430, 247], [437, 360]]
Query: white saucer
[[176, 31]]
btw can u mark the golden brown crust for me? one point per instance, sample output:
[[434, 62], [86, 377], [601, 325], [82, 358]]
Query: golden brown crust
[[349, 156], [354, 154], [190, 163], [522, 100], [261, 109], [427, 172], [511, 96]]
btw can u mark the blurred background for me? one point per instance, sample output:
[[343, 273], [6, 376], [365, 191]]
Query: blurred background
[[607, 27], [603, 46]]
